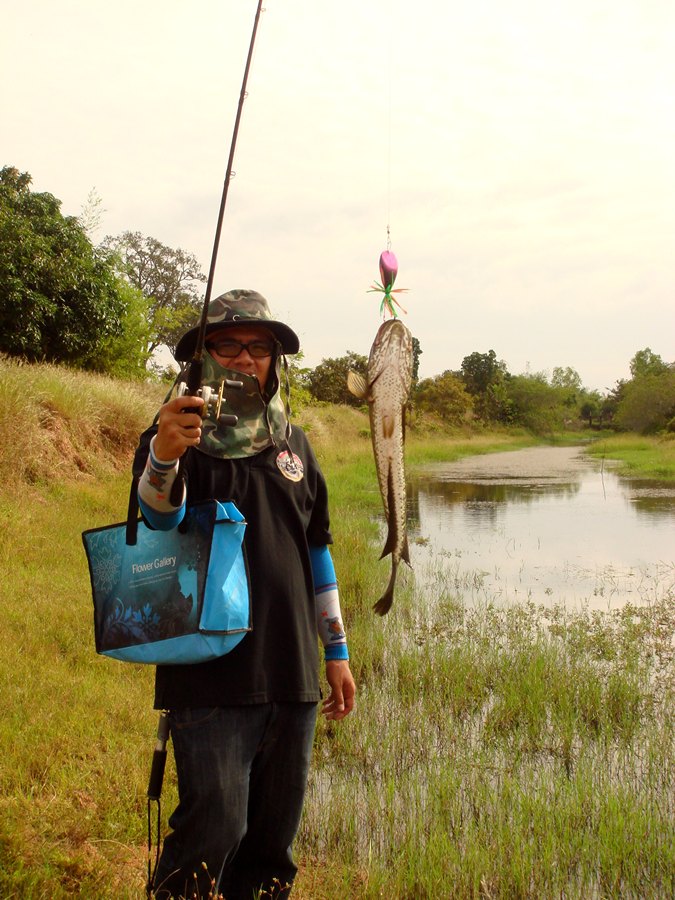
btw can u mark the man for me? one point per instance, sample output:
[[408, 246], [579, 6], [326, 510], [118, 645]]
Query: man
[[242, 725]]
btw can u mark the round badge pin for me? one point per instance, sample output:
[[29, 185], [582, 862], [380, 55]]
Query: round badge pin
[[290, 465]]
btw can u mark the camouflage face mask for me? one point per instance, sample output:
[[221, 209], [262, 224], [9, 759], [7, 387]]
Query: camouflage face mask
[[260, 424]]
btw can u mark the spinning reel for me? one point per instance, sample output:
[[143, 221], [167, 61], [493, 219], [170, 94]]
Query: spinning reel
[[213, 400]]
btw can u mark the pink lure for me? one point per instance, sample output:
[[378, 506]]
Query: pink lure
[[388, 273], [388, 268]]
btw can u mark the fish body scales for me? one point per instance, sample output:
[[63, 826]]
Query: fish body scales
[[389, 378]]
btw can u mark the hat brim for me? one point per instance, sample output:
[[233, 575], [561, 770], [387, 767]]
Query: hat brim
[[290, 342]]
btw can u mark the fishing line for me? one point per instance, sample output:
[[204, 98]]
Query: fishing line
[[388, 261], [389, 104]]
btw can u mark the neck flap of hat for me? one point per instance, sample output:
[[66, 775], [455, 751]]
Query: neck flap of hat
[[260, 424]]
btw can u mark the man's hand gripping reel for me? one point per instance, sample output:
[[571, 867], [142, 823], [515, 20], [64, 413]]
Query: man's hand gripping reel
[[213, 402]]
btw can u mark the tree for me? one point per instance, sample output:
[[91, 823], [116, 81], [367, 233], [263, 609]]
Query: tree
[[535, 403], [444, 396], [484, 377], [645, 362], [567, 383], [298, 380], [59, 300], [91, 214], [169, 280], [567, 378], [417, 352], [611, 401], [328, 381], [480, 370], [123, 355], [647, 403], [591, 408]]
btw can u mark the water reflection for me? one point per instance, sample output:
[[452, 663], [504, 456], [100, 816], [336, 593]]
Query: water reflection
[[547, 524], [654, 499]]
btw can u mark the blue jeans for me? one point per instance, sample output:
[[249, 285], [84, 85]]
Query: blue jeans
[[242, 774]]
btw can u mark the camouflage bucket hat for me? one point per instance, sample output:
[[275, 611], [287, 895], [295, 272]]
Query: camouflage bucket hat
[[236, 308]]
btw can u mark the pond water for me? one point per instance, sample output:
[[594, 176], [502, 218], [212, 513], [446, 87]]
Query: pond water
[[547, 524]]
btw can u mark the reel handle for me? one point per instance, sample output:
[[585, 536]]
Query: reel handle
[[213, 401]]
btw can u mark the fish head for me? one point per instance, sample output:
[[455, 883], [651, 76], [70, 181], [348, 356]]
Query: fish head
[[392, 349]]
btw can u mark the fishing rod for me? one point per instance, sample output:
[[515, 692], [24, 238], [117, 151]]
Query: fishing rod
[[193, 373], [193, 387], [155, 793]]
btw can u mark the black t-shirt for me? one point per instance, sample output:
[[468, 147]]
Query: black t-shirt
[[278, 660]]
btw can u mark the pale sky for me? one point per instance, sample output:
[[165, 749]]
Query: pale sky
[[521, 151]]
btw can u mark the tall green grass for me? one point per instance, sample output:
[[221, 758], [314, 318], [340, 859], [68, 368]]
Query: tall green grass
[[518, 752], [503, 753], [74, 730], [639, 455]]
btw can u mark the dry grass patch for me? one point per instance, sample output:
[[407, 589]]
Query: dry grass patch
[[58, 423]]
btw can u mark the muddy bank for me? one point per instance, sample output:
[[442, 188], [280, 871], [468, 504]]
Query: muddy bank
[[531, 465]]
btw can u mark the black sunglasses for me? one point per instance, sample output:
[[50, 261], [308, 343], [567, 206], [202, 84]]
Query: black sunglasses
[[229, 348]]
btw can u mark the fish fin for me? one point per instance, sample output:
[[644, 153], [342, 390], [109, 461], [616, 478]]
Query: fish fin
[[357, 385], [390, 543], [405, 552], [383, 605]]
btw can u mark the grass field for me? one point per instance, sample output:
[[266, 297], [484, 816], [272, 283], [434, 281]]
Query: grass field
[[644, 457], [516, 752]]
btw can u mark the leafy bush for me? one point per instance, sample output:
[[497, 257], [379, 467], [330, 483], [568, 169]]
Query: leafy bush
[[647, 403], [60, 301], [446, 397]]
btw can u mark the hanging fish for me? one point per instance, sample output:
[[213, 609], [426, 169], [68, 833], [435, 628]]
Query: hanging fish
[[386, 389], [388, 273]]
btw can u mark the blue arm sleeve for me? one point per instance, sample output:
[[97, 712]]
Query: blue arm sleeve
[[328, 614], [159, 520]]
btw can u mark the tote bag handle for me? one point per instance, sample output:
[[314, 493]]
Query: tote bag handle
[[132, 513]]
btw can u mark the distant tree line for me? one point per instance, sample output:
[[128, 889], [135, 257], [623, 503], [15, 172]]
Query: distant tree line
[[483, 392], [107, 308]]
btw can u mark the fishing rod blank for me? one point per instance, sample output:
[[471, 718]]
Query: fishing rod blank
[[193, 378], [155, 792]]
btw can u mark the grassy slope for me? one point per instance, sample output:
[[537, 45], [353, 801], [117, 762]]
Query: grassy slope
[[489, 693], [72, 726]]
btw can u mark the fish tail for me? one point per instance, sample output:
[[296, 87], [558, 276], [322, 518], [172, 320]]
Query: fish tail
[[383, 605], [390, 546]]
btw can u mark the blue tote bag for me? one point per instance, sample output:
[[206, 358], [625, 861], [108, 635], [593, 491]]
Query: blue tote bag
[[170, 597]]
